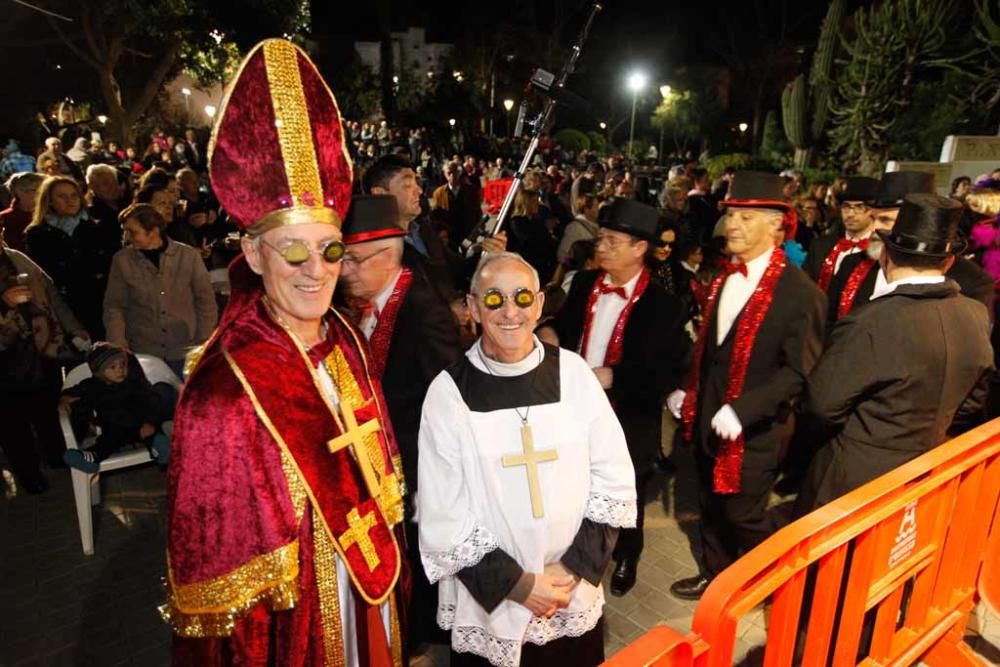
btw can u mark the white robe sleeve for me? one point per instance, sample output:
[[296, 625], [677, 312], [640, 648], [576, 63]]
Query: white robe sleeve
[[451, 538], [612, 498]]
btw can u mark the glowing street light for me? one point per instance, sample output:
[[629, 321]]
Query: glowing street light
[[451, 121], [186, 92], [508, 104], [210, 111], [665, 91], [636, 82], [103, 119], [743, 127], [603, 125]]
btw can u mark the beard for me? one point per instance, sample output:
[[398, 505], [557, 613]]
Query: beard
[[874, 249]]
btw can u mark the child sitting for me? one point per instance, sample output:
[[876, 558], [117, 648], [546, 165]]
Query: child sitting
[[128, 408]]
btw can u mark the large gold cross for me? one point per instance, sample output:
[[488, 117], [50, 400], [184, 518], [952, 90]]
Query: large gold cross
[[530, 460], [354, 437], [357, 533]]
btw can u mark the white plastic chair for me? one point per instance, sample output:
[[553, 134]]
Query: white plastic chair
[[87, 488]]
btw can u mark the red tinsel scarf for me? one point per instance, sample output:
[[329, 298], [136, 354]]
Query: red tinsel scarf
[[830, 262], [382, 336], [854, 281], [729, 458], [613, 354]]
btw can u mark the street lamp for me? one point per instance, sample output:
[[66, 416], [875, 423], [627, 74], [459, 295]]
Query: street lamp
[[210, 111], [665, 91], [636, 82], [743, 127], [186, 92], [103, 119], [508, 104], [603, 125]]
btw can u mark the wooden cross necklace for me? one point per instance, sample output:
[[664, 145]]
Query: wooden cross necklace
[[529, 458]]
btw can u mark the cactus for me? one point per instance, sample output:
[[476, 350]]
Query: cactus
[[805, 106]]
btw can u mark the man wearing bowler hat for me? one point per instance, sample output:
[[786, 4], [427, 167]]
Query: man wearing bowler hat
[[828, 252], [631, 332], [761, 334], [919, 357], [859, 275]]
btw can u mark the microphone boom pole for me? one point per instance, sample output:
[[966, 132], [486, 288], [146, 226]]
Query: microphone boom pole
[[541, 124]]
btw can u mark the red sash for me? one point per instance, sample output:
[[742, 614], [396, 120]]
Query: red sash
[[854, 281], [727, 473], [386, 324], [613, 353], [287, 396], [827, 271]]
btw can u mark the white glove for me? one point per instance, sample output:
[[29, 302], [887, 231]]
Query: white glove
[[726, 423], [675, 401]]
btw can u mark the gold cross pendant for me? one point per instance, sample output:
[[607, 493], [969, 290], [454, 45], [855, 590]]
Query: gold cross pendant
[[357, 533], [530, 460], [354, 437]]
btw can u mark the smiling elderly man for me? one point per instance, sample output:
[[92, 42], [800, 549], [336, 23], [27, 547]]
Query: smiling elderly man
[[284, 491], [525, 480], [761, 334]]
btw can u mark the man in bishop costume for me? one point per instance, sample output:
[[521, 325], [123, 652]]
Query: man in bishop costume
[[525, 481], [284, 490]]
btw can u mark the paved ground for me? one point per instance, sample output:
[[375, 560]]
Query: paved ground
[[59, 607]]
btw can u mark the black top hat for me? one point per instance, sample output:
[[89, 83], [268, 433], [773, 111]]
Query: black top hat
[[371, 217], [927, 225], [757, 189], [631, 217], [895, 185], [859, 188]]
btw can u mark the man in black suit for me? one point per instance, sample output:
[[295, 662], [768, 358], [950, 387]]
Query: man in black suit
[[828, 252], [919, 357], [859, 274], [761, 334], [411, 338], [631, 332]]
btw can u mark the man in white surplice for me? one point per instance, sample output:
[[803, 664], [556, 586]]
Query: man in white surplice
[[525, 479]]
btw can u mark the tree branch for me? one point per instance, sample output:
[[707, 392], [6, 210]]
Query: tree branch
[[73, 47]]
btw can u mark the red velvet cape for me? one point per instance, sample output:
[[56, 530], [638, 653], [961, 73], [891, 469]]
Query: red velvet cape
[[242, 524]]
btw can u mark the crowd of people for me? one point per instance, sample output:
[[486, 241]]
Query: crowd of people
[[459, 448]]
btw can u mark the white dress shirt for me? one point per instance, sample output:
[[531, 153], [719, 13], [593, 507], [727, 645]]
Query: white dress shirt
[[841, 256], [883, 286], [735, 294], [609, 307], [367, 324]]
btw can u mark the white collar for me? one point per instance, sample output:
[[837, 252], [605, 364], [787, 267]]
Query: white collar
[[629, 287], [383, 297], [501, 369], [690, 267], [889, 288]]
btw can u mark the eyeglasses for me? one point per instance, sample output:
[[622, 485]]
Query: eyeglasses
[[854, 207], [613, 243], [298, 253], [358, 261], [494, 299]]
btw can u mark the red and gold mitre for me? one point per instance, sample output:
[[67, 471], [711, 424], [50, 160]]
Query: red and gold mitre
[[277, 154]]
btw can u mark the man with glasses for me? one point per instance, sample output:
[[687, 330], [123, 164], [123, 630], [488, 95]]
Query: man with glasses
[[631, 333], [412, 337], [828, 252], [525, 481], [285, 488]]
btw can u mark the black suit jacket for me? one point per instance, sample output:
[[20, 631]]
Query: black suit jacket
[[655, 357], [788, 345], [424, 342], [898, 374]]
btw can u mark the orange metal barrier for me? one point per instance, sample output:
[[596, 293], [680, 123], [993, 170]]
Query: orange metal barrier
[[908, 550]]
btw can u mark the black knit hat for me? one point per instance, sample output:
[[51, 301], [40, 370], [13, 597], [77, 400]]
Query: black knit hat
[[631, 217], [371, 217], [895, 185], [926, 225], [102, 354]]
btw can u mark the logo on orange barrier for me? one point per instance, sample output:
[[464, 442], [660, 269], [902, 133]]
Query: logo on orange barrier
[[906, 537]]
